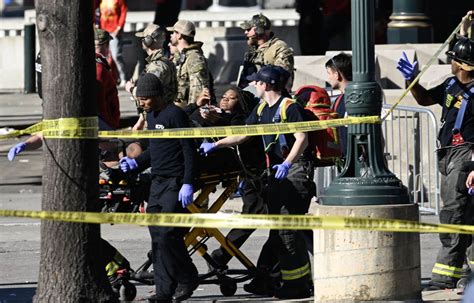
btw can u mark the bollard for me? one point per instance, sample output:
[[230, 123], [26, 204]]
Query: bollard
[[29, 53]]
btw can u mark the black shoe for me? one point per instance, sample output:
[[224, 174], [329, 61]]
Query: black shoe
[[159, 299], [216, 257], [184, 291], [438, 285], [293, 291], [261, 286]]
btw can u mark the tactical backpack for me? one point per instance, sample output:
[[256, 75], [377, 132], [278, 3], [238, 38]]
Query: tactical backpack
[[325, 143]]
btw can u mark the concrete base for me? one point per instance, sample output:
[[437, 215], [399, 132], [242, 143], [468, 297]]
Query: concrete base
[[359, 265]]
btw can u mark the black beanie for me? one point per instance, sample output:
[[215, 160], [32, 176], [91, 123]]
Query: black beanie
[[149, 85]]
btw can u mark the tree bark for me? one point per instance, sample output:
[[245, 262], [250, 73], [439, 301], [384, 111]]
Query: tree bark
[[70, 267]]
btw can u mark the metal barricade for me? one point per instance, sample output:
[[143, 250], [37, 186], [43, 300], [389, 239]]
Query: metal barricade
[[410, 141]]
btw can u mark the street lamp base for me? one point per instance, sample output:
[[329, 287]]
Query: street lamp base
[[365, 191], [365, 265]]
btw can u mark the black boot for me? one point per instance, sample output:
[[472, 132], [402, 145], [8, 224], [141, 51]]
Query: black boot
[[184, 291], [293, 291], [158, 299], [262, 285]]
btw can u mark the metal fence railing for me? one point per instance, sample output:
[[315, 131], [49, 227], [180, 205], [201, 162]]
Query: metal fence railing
[[410, 141]]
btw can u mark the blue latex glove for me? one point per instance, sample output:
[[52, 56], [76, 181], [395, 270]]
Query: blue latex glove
[[282, 170], [15, 150], [206, 148], [128, 164], [407, 69], [186, 195], [470, 191]]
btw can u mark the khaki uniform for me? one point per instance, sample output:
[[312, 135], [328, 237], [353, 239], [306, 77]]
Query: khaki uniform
[[192, 73], [165, 70], [276, 52]]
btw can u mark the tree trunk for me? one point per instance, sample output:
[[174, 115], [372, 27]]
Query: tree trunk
[[70, 266]]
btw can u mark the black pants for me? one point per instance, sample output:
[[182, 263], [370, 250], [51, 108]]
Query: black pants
[[172, 264], [253, 204], [286, 250], [458, 208]]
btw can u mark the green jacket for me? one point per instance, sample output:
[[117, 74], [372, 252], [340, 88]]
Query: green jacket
[[165, 70], [276, 52], [192, 73]]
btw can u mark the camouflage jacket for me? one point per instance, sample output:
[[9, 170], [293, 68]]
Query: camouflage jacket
[[276, 52], [165, 70], [192, 73]]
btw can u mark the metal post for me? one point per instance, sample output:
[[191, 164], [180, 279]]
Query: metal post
[[408, 23], [365, 179], [29, 52]]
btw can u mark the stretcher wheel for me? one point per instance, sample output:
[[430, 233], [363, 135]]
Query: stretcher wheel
[[228, 288], [127, 291], [462, 283]]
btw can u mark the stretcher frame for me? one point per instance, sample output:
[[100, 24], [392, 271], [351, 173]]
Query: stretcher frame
[[196, 238]]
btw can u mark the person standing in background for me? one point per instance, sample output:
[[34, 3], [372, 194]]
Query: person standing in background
[[107, 95], [264, 49], [339, 70], [193, 74], [112, 19]]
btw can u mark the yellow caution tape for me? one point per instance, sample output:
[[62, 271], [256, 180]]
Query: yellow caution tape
[[71, 123], [86, 128], [243, 221], [67, 128], [36, 128], [79, 133], [425, 68], [244, 130]]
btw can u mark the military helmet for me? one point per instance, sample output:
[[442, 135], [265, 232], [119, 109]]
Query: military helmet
[[462, 51], [261, 23]]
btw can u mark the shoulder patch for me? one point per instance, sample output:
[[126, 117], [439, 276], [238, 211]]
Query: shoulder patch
[[449, 99]]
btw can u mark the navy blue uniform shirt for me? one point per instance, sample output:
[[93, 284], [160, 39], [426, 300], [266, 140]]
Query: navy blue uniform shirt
[[294, 113], [170, 157], [450, 99]]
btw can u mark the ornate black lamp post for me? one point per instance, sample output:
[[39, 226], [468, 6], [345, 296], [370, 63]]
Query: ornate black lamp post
[[365, 179]]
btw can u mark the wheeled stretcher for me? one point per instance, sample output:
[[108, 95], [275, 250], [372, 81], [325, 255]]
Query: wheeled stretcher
[[212, 175]]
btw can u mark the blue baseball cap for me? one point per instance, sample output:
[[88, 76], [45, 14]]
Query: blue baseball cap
[[269, 74]]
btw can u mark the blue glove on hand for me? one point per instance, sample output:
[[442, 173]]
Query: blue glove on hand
[[186, 195], [282, 170], [206, 148], [128, 164], [15, 150], [407, 69]]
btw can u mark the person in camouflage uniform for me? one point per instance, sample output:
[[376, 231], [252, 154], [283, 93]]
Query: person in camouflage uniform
[[264, 49], [153, 38], [191, 66]]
